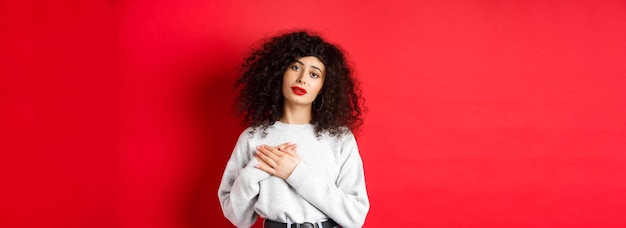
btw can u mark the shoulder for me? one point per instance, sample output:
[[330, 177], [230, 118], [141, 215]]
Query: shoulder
[[248, 134], [343, 140], [348, 139], [346, 136]]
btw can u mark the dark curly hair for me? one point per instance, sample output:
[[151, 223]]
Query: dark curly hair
[[336, 110]]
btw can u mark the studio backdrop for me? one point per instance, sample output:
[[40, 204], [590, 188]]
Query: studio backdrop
[[480, 113]]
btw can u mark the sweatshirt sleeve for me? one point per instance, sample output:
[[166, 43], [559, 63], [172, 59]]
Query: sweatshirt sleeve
[[239, 187], [344, 199]]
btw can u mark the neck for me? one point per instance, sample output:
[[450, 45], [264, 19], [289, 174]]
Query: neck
[[296, 115]]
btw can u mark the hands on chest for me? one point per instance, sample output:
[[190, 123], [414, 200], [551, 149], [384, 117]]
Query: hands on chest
[[279, 161]]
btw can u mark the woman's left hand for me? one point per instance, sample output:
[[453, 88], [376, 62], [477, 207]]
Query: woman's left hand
[[278, 161]]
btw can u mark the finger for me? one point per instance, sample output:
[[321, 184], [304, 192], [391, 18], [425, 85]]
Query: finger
[[284, 146], [260, 162], [266, 168], [269, 151], [291, 149], [266, 159]]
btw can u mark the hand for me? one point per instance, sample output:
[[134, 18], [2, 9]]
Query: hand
[[279, 161]]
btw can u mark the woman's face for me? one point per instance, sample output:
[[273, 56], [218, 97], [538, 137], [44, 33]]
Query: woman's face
[[303, 80]]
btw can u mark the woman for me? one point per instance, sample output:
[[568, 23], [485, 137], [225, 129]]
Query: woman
[[298, 162]]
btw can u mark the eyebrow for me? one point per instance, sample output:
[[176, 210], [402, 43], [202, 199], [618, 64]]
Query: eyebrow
[[312, 66]]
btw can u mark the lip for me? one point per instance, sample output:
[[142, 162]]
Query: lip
[[298, 90]]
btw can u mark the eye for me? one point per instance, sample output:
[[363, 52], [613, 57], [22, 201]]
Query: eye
[[295, 67], [315, 75]]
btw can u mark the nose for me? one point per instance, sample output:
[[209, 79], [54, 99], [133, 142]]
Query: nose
[[300, 79]]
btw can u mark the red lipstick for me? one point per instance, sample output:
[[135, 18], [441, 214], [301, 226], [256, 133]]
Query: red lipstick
[[298, 91]]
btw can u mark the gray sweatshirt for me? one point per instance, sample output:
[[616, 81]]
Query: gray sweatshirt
[[328, 183]]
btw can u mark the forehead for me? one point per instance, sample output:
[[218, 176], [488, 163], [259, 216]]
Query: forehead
[[311, 61]]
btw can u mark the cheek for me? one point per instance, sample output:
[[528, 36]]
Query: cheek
[[286, 79], [285, 89], [322, 82], [318, 87]]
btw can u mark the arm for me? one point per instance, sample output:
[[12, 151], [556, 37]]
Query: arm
[[240, 185], [344, 199]]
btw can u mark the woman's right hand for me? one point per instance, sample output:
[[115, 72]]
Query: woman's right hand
[[279, 161]]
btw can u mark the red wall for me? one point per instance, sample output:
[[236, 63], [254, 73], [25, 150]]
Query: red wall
[[481, 113]]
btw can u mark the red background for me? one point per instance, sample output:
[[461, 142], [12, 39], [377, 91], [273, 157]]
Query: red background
[[481, 113]]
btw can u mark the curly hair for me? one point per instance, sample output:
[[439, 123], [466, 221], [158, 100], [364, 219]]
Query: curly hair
[[336, 110]]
